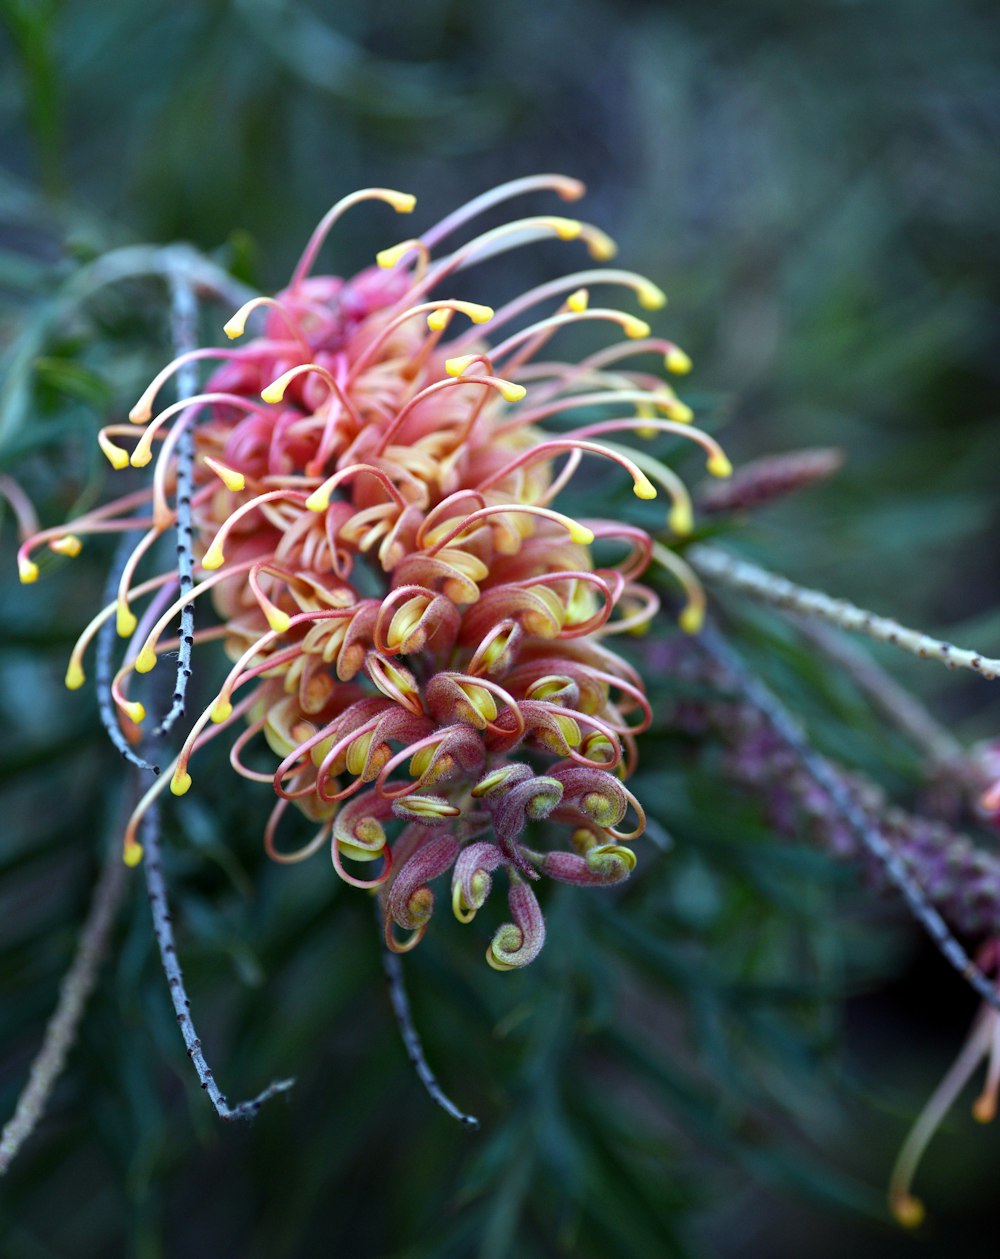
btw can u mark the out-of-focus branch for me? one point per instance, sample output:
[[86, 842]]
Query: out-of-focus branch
[[849, 810], [77, 985], [750, 579], [893, 701]]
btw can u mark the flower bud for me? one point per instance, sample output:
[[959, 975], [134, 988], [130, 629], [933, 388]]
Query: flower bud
[[519, 942], [410, 902], [471, 881]]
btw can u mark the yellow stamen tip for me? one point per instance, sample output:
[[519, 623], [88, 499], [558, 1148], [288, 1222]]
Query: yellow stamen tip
[[635, 328], [27, 571], [145, 662], [651, 296], [680, 520], [984, 1108], [279, 621], [180, 783], [401, 202], [125, 621], [132, 854], [229, 477], [213, 558], [600, 245], [511, 392], [642, 487], [581, 534], [318, 500], [909, 1211], [275, 391], [387, 258], [477, 313], [69, 544], [566, 229], [719, 465], [457, 366], [691, 618], [438, 320], [141, 456], [235, 327], [117, 457], [578, 301], [134, 711], [679, 411], [222, 710], [141, 413], [75, 676], [677, 361]]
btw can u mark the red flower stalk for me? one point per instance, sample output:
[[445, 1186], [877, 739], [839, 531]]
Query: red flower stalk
[[416, 633]]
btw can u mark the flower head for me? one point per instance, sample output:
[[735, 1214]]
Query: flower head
[[416, 633]]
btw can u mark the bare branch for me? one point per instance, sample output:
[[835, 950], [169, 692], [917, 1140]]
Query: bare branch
[[163, 929], [104, 667], [411, 1039], [76, 987], [894, 702], [184, 334], [714, 646], [769, 588]]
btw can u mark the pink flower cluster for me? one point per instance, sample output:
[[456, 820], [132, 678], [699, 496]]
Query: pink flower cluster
[[416, 634]]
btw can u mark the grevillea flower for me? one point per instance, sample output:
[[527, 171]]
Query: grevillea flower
[[416, 633], [981, 1045]]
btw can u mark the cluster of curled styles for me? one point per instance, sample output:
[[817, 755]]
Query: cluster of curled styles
[[416, 633]]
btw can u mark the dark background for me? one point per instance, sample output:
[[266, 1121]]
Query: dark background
[[723, 1058]]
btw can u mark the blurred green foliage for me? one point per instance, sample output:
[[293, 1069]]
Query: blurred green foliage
[[816, 186]]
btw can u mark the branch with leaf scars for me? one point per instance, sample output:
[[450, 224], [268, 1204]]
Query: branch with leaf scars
[[714, 646], [184, 334], [184, 323], [757, 582], [163, 929], [104, 665], [411, 1039]]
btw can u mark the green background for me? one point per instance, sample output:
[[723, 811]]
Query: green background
[[722, 1057]]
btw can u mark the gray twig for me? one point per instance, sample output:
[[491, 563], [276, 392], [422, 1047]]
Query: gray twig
[[757, 582], [163, 929], [411, 1039], [76, 987], [825, 776], [104, 667], [895, 703], [184, 334]]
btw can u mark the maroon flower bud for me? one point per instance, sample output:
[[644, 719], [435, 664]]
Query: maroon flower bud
[[519, 942], [595, 792], [603, 865], [764, 481], [471, 882], [533, 798], [409, 901]]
